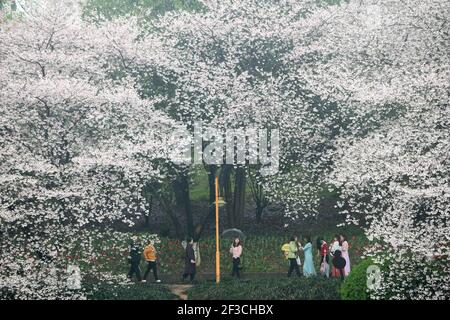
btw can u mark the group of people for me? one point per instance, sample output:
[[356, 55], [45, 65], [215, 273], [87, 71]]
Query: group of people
[[134, 260], [190, 260], [337, 251]]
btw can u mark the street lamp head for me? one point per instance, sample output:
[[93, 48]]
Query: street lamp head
[[221, 202]]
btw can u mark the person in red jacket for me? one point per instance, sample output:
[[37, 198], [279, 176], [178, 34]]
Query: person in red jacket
[[324, 257]]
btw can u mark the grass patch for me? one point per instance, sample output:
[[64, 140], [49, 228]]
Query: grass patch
[[199, 190], [268, 289]]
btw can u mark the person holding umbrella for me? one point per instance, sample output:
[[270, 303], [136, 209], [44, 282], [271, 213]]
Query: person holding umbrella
[[236, 252]]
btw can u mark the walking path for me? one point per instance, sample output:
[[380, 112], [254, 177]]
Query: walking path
[[179, 290]]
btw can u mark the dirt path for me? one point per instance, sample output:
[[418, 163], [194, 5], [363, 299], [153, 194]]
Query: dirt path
[[179, 290]]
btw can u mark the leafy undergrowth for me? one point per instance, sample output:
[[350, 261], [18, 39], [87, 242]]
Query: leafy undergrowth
[[355, 285], [315, 288], [128, 291]]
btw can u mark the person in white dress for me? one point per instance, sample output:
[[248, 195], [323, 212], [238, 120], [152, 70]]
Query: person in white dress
[[345, 255]]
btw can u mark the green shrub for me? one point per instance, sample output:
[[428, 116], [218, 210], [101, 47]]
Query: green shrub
[[315, 288], [354, 286], [131, 291]]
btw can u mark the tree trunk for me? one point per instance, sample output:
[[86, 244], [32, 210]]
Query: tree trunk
[[148, 212], [167, 207], [258, 212], [239, 197], [211, 169], [227, 192], [182, 191], [257, 192]]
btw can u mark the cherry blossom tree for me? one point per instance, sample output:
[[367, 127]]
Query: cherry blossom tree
[[227, 67], [78, 144], [388, 72], [357, 89], [377, 76]]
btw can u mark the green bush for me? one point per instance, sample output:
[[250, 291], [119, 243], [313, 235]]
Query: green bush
[[315, 288], [354, 286], [132, 291]]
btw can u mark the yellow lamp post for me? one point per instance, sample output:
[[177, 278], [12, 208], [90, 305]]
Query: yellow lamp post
[[219, 202], [217, 233]]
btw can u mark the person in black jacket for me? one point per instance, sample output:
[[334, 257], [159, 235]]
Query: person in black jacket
[[189, 263], [134, 259], [339, 263]]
